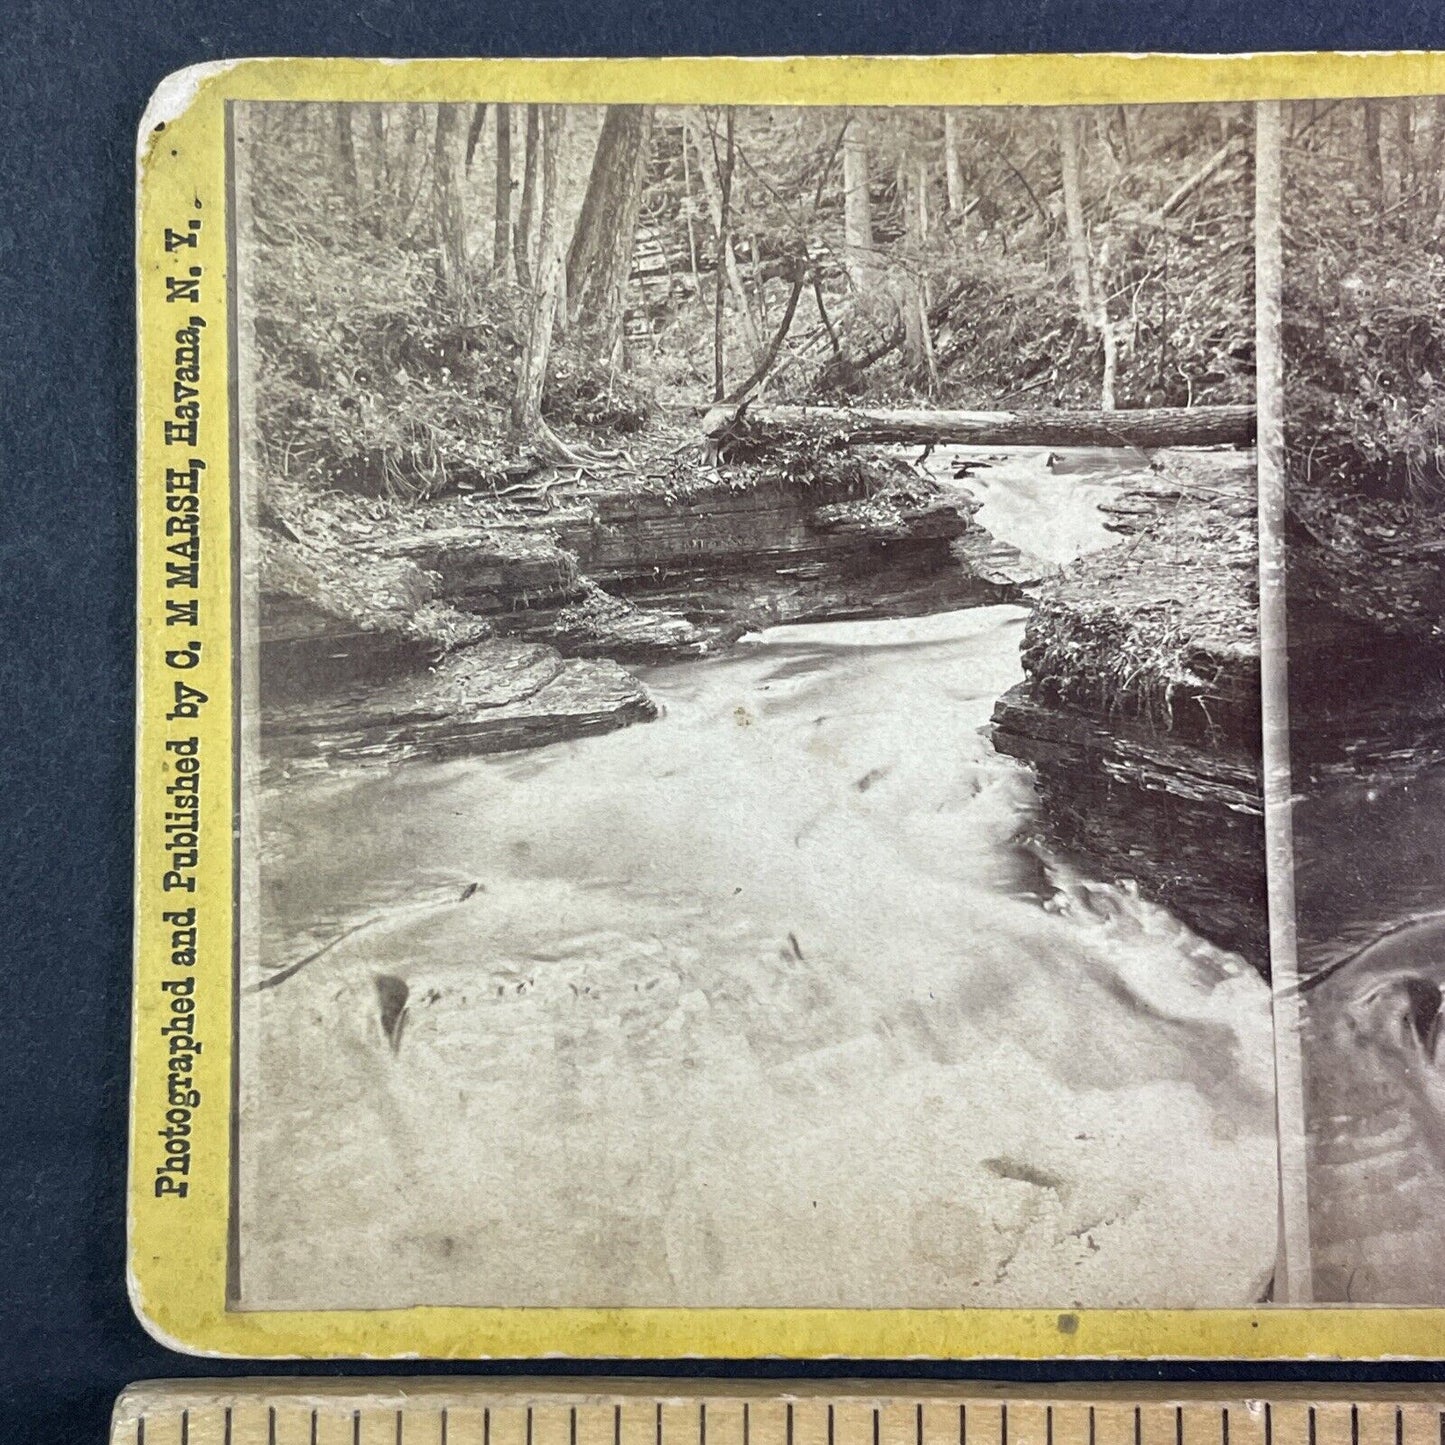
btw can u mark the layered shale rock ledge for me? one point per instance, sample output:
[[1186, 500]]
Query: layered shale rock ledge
[[1139, 711], [1366, 632], [1366, 627], [1364, 700], [373, 626], [726, 552], [495, 696]]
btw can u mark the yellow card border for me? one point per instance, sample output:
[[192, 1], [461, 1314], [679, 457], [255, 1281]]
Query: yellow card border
[[184, 996]]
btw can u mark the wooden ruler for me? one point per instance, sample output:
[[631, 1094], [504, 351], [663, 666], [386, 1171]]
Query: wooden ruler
[[475, 1411]]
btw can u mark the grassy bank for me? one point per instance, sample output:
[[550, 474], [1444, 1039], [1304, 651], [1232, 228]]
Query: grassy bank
[[1161, 629], [1139, 711]]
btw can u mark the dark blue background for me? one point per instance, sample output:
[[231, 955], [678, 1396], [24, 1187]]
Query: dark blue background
[[73, 81]]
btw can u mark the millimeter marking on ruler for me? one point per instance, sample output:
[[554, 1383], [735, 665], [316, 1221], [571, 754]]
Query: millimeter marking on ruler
[[435, 1411]]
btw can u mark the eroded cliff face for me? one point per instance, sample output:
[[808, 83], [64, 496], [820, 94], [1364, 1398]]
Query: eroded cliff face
[[1139, 711], [404, 638], [1366, 626], [1366, 619]]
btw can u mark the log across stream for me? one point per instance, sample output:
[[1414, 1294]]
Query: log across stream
[[765, 984], [1198, 426]]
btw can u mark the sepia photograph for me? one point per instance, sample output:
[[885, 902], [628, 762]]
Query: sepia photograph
[[1363, 222], [749, 678]]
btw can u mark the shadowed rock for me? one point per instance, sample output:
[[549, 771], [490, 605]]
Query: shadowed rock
[[498, 696]]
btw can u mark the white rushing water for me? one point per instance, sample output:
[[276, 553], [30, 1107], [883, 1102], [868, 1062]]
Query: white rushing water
[[763, 1003], [1044, 502]]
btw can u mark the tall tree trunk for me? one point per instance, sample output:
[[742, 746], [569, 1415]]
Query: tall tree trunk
[[502, 223], [346, 146], [1074, 214], [1107, 335], [414, 164], [919, 198], [1434, 119], [450, 219], [1091, 302], [1374, 172], [1125, 143], [380, 168], [858, 252], [911, 284], [376, 136], [952, 170], [522, 236], [600, 260], [1404, 170], [532, 374], [709, 169], [687, 210], [724, 237], [474, 131]]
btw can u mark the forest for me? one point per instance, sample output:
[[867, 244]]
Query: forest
[[757, 623], [1364, 340], [1365, 243], [456, 296]]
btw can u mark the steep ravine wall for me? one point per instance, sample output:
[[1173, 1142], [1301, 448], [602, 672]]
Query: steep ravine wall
[[1139, 710], [1366, 622]]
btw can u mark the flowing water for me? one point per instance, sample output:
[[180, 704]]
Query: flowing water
[[1045, 503], [768, 1002], [1370, 858]]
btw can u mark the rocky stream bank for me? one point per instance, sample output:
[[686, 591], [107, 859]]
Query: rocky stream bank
[[1139, 709], [471, 626]]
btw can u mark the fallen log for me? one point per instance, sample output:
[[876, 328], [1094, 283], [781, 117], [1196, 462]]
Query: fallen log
[[1192, 426]]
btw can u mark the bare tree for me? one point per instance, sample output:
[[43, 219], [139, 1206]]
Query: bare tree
[[502, 225], [687, 210], [450, 218], [1092, 303], [710, 168], [522, 237], [547, 296], [600, 259], [910, 283], [346, 146], [804, 271], [1403, 112], [857, 208], [1430, 131], [724, 236], [474, 131], [1373, 166], [952, 170], [380, 168], [1074, 213]]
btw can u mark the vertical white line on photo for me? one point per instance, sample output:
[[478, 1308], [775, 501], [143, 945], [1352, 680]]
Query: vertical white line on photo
[[245, 677], [1293, 1274]]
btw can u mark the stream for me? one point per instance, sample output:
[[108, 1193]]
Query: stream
[[769, 1002], [1372, 953]]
